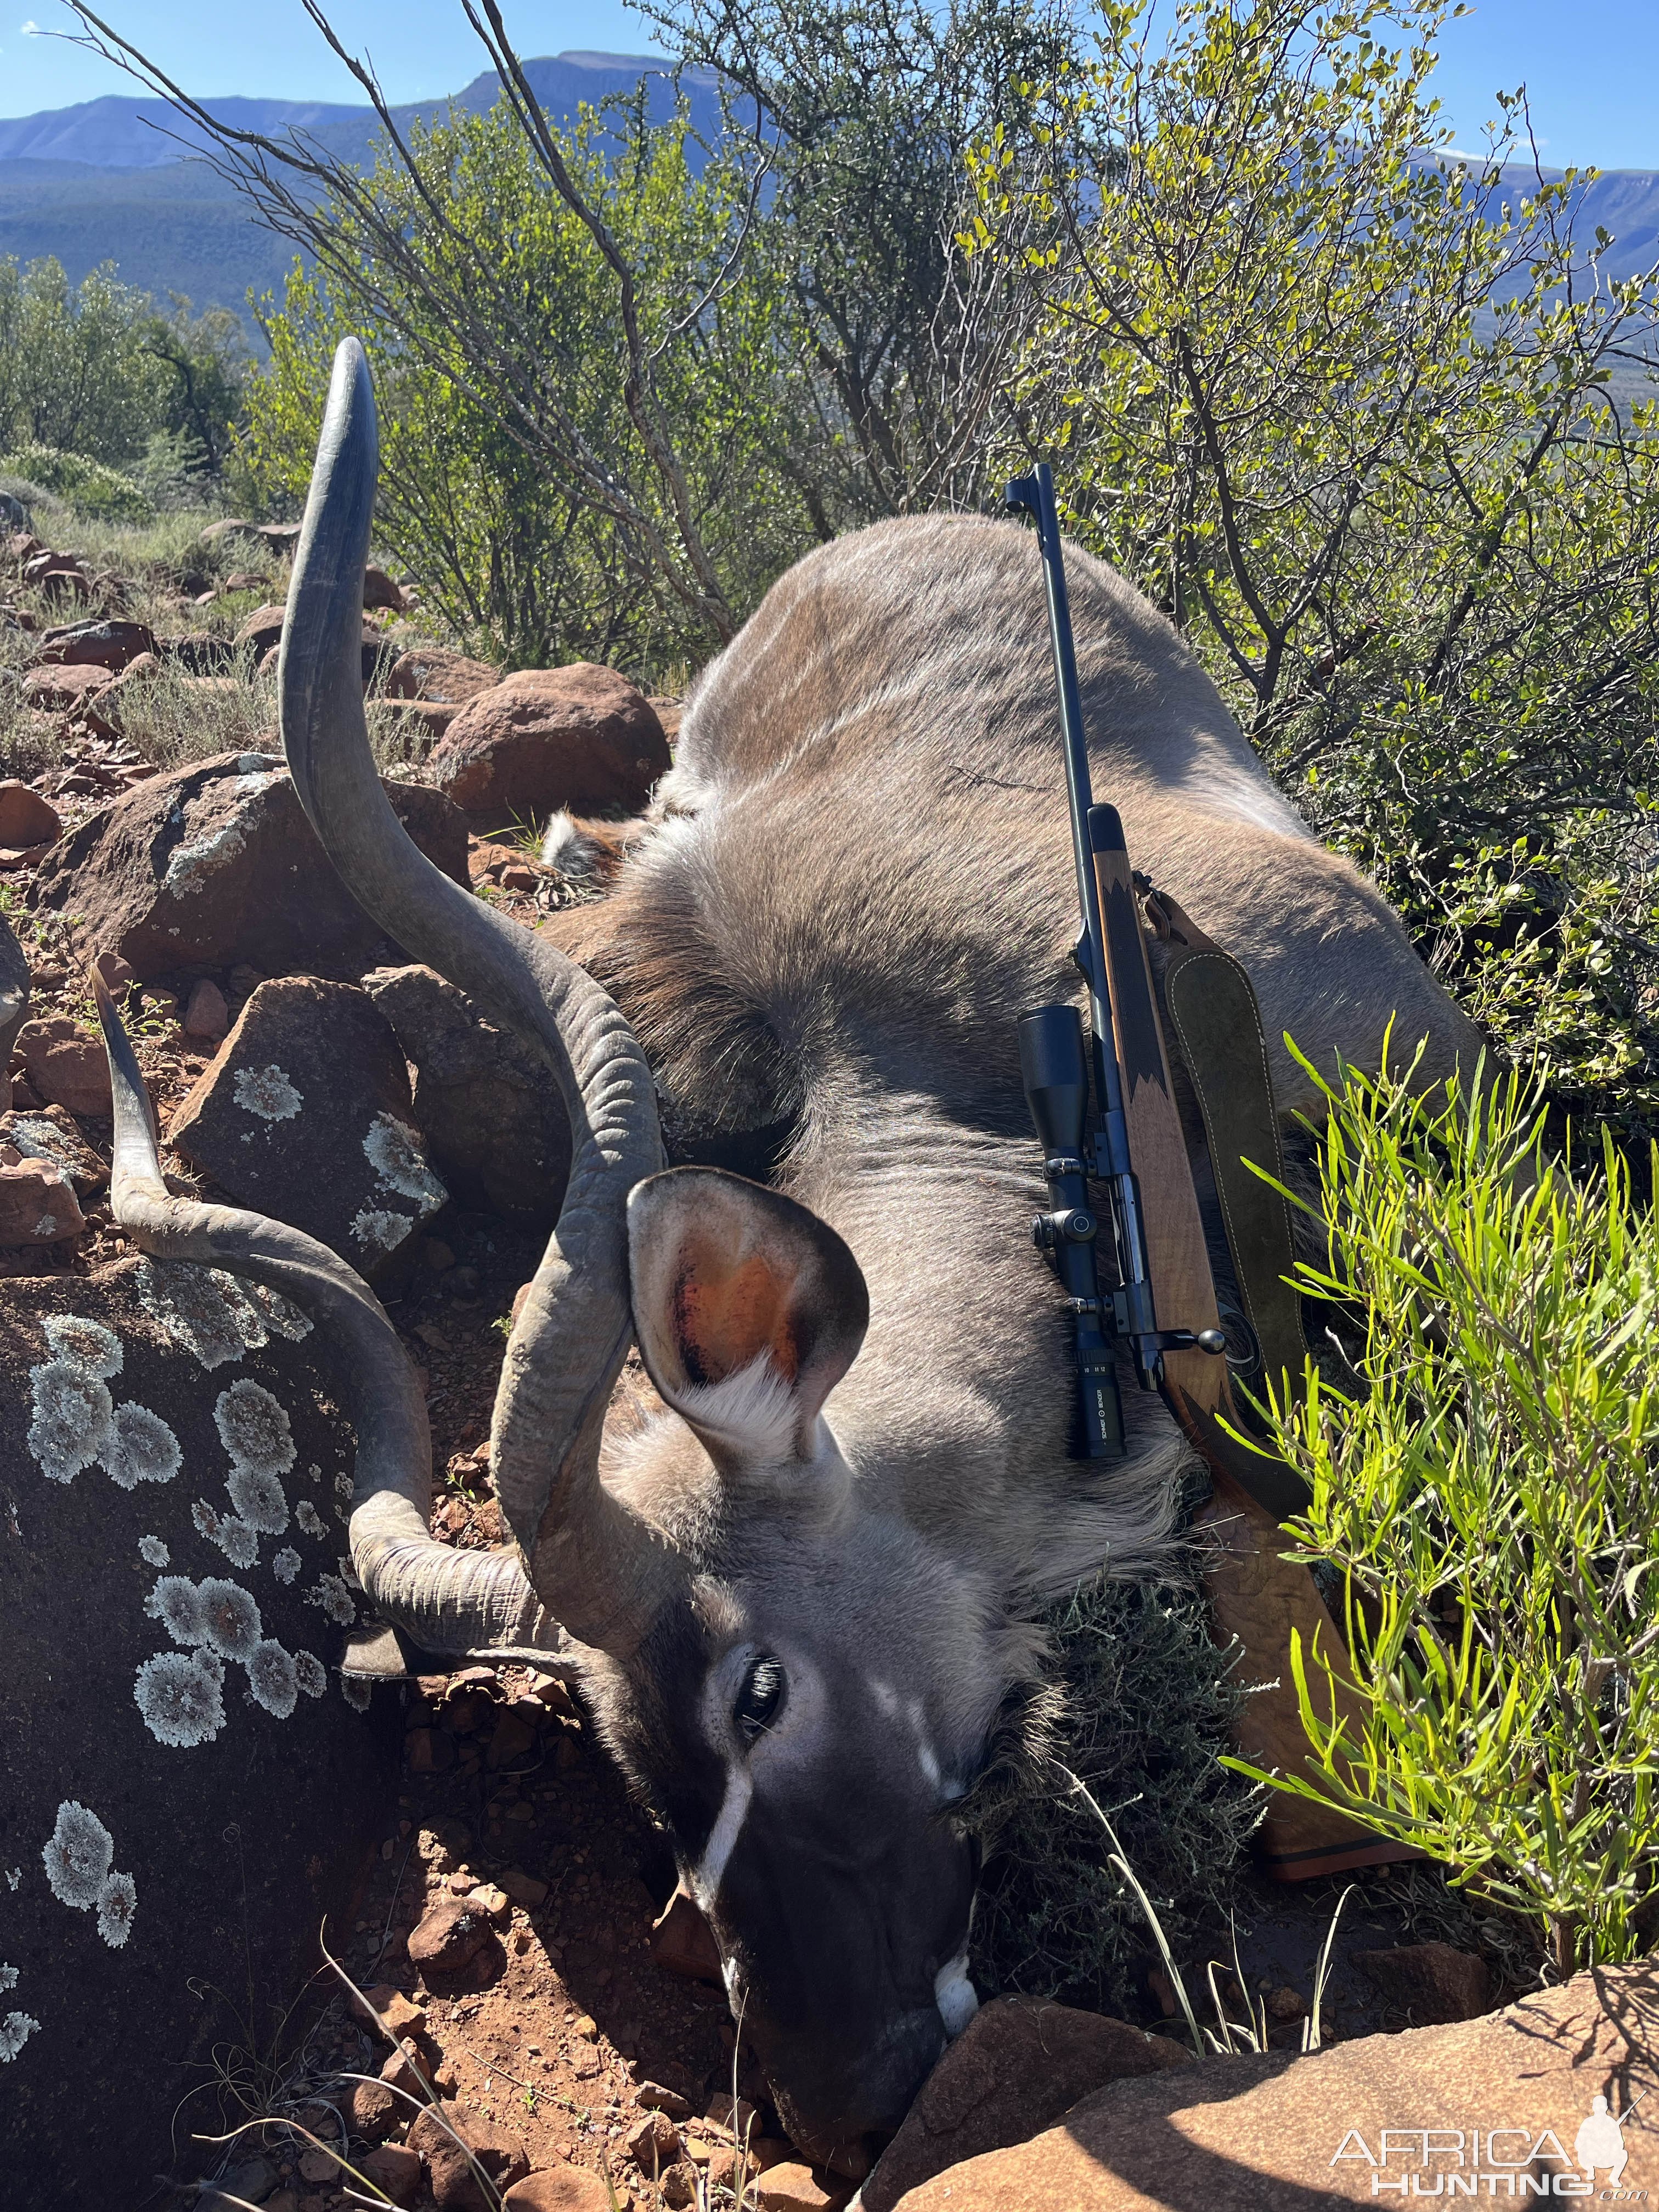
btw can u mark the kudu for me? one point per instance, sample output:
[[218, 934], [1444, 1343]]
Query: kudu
[[796, 1616]]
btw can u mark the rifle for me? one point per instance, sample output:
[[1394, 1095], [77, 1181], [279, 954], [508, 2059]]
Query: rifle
[[1131, 1141]]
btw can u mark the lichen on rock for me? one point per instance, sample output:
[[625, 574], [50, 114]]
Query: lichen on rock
[[72, 1418], [141, 1448], [77, 1855], [181, 1697]]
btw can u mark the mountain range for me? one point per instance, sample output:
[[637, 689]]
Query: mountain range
[[122, 179]]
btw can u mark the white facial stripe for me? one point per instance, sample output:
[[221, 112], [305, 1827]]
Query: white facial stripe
[[710, 1870], [955, 1995]]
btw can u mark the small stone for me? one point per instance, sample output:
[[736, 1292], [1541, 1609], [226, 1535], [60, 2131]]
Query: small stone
[[656, 2097], [453, 1932], [455, 2186], [586, 2027], [66, 1066], [38, 1205], [399, 2073], [206, 1014], [493, 1902], [794, 2188], [1287, 2005], [429, 1750], [558, 2189], [25, 817], [512, 1739], [1432, 1984], [681, 1942], [523, 1888], [679, 2186], [319, 2166], [395, 2168], [436, 1253], [374, 2110], [735, 2114], [516, 878], [654, 2142]]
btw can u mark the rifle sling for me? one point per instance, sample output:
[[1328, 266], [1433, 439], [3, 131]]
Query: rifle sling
[[1213, 1026]]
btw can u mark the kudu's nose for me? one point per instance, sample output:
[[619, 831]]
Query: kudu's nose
[[842, 2113]]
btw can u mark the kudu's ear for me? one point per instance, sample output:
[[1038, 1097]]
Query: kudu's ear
[[748, 1311]]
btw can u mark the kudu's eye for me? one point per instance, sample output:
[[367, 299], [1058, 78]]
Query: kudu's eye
[[760, 1699]]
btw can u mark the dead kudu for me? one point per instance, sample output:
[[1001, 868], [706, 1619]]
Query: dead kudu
[[797, 1616]]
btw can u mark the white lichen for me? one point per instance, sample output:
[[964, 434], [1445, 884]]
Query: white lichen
[[141, 1448], [377, 1230], [231, 1619], [7, 1978], [309, 1674], [272, 1679], [176, 1602], [394, 1152], [205, 1311], [355, 1691], [181, 1697], [344, 1487], [15, 2030], [117, 1905], [309, 1520], [254, 1428], [281, 1313], [238, 1543], [267, 1093], [259, 1497], [152, 1549], [13, 1876], [77, 1855], [286, 1565], [330, 1594], [84, 1344], [70, 1424]]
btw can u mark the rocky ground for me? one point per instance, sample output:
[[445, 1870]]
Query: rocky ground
[[512, 1956]]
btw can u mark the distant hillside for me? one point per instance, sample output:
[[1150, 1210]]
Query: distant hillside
[[105, 182]]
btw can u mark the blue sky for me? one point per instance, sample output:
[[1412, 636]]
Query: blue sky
[[1591, 69]]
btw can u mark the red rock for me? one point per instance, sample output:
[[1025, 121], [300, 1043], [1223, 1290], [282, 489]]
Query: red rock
[[1020, 2062], [1260, 2134], [25, 817], [304, 1115], [63, 690], [653, 2142], [66, 1065], [794, 2188], [206, 1014], [108, 644], [681, 1942], [380, 591], [439, 677], [50, 1134], [38, 1205], [497, 1129], [525, 1890], [657, 2097], [393, 2167], [455, 2186], [581, 737], [428, 1751], [559, 2188], [374, 2110], [214, 864], [262, 628], [512, 1739], [452, 1933], [1432, 1984]]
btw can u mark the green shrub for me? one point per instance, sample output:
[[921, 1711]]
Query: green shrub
[[1138, 1706], [90, 488], [1484, 1482]]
